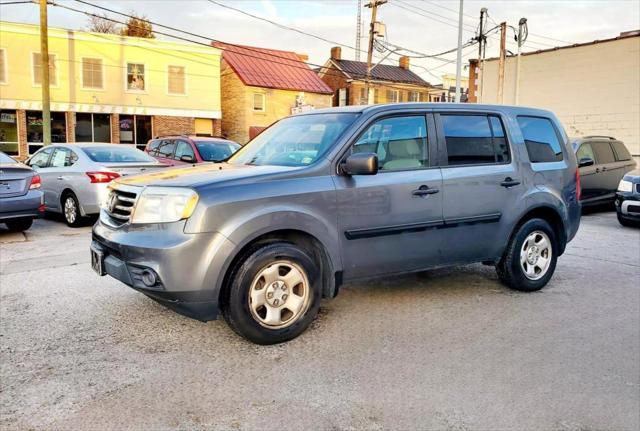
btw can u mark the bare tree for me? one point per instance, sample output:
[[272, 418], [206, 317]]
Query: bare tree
[[138, 26], [99, 24]]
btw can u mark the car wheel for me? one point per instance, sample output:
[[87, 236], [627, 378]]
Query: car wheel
[[627, 223], [19, 225], [530, 258], [71, 210], [273, 294]]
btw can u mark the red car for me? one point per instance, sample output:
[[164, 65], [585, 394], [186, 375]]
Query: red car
[[182, 149]]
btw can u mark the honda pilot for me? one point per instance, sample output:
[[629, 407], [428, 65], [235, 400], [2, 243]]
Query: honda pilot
[[343, 194]]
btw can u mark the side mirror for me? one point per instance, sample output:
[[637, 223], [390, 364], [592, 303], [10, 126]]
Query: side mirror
[[187, 158], [361, 164], [585, 161]]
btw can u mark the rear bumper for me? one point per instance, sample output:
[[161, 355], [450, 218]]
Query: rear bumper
[[186, 266], [25, 206]]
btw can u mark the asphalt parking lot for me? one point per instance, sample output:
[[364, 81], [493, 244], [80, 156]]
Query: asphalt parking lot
[[447, 349]]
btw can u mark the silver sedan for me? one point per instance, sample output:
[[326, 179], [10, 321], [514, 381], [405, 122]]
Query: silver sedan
[[75, 176]]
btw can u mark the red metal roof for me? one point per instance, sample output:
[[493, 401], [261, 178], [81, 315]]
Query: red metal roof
[[270, 68]]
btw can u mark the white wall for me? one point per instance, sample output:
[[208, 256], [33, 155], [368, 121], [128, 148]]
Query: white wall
[[594, 89]]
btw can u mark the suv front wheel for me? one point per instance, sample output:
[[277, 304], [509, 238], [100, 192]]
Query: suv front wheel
[[274, 294], [530, 258]]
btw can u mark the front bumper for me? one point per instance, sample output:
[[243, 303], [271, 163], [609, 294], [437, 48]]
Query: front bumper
[[628, 205], [25, 206], [186, 266]]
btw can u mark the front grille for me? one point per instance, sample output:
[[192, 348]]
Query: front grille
[[120, 204]]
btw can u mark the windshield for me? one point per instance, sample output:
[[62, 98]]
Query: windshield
[[6, 159], [294, 141], [117, 154], [215, 151]]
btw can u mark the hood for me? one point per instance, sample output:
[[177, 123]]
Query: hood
[[200, 174]]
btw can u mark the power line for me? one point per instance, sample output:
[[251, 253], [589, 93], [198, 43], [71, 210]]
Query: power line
[[16, 2], [427, 14]]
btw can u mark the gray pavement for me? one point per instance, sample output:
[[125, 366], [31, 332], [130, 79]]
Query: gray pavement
[[447, 349]]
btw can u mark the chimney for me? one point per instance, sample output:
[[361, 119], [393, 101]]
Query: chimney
[[336, 53], [404, 62]]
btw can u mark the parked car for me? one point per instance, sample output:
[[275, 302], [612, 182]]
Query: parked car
[[183, 149], [628, 199], [603, 162], [341, 194], [75, 176], [21, 199]]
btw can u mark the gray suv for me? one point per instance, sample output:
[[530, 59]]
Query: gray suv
[[342, 194]]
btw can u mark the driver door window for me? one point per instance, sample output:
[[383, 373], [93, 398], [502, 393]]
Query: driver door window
[[399, 142]]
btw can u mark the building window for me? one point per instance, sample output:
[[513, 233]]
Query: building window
[[258, 102], [363, 97], [414, 96], [3, 66], [135, 129], [93, 127], [342, 97], [135, 77], [176, 81], [9, 132], [92, 73], [393, 96], [35, 132], [37, 69]]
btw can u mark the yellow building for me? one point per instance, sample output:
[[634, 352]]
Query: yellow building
[[104, 88], [261, 86]]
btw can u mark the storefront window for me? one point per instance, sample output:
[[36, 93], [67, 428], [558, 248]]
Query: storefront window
[[35, 132], [9, 132], [135, 129], [93, 127]]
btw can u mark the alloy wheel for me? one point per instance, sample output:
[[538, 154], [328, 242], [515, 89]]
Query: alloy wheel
[[70, 210], [535, 255]]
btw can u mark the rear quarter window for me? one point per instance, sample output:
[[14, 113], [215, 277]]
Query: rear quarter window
[[622, 154], [541, 139]]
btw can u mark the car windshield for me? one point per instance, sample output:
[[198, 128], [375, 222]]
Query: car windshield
[[215, 151], [117, 154], [294, 141], [6, 159]]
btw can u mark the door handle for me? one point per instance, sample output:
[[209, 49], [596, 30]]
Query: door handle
[[597, 170], [61, 178], [604, 169], [424, 191], [509, 182]]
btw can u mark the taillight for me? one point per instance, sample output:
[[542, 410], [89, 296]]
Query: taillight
[[102, 177], [578, 185], [36, 182]]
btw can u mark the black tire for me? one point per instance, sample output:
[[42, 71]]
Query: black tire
[[77, 220], [510, 270], [19, 225], [625, 222], [235, 301]]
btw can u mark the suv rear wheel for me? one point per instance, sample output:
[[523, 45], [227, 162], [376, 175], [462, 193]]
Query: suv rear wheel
[[530, 259], [274, 294]]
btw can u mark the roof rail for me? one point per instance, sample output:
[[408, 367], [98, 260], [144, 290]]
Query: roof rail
[[172, 134], [599, 136]]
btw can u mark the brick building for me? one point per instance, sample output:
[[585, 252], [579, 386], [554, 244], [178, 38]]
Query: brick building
[[388, 83], [104, 88], [260, 86]]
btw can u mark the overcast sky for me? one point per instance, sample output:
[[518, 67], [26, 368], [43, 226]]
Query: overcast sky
[[421, 25]]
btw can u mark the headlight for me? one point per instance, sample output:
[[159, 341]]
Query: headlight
[[625, 186], [164, 205]]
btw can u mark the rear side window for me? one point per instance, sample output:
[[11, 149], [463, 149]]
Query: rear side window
[[165, 149], [604, 153], [621, 151], [153, 148], [474, 139], [63, 157], [541, 139]]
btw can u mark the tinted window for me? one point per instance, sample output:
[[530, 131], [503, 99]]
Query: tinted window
[[469, 139], [184, 149], [621, 151], [116, 154], [585, 151], [541, 139], [216, 151], [165, 149], [400, 142], [62, 157], [40, 158], [500, 143], [604, 153]]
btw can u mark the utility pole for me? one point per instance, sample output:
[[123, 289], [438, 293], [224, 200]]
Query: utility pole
[[373, 4], [503, 53], [522, 36], [359, 30], [482, 40], [44, 57], [459, 56]]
